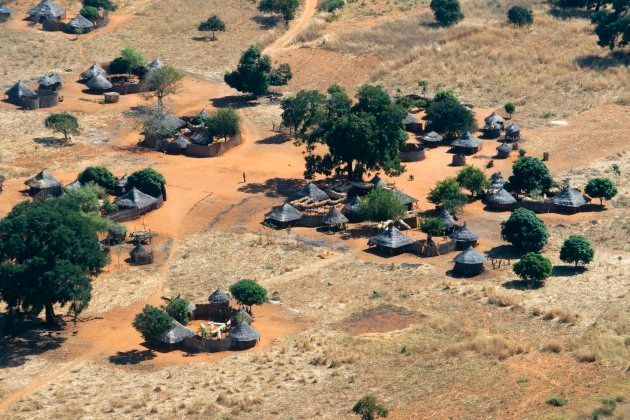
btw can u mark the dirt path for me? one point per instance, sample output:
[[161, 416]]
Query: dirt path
[[299, 24]]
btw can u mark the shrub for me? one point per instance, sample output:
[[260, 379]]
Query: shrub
[[89, 12], [63, 123], [432, 226], [447, 12], [576, 249], [178, 308], [510, 108], [248, 292], [448, 194], [224, 123], [381, 204], [99, 175], [473, 179], [370, 408], [444, 95], [556, 401], [162, 82], [530, 173], [212, 24], [100, 4], [331, 5], [450, 117], [129, 61], [525, 231], [152, 323], [147, 180], [534, 268], [601, 188], [520, 16]]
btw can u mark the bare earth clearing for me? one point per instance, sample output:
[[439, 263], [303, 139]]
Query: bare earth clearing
[[347, 323]]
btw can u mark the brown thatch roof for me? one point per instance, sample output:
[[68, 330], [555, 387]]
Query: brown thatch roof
[[177, 334], [49, 80], [80, 22], [447, 220], [76, 185], [243, 332], [501, 197], [141, 251], [464, 234], [135, 199], [334, 217], [569, 197], [311, 191], [470, 256], [241, 316], [100, 83], [391, 238], [46, 9], [378, 182], [432, 137], [352, 206], [467, 140], [94, 70], [177, 144], [42, 180], [406, 199], [512, 129], [504, 148], [19, 91], [496, 181], [494, 118], [284, 213], [219, 296]]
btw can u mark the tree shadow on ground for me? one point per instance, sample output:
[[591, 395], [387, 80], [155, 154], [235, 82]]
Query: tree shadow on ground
[[266, 22], [505, 252], [275, 139], [52, 142], [522, 285], [234, 101], [596, 62], [570, 13], [132, 357], [203, 39], [566, 270], [359, 231], [15, 351], [274, 187]]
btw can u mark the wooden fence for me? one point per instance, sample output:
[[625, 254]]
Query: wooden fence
[[214, 149], [198, 344], [132, 214]]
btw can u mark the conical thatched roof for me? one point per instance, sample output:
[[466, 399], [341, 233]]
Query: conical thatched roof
[[172, 123], [492, 127], [99, 82], [512, 129], [406, 199], [219, 296], [334, 217], [76, 185], [494, 118], [391, 238], [432, 137], [352, 206], [49, 80], [80, 22], [42, 180], [496, 181], [19, 91], [243, 332], [122, 181], [241, 316], [467, 140], [178, 143], [378, 182], [177, 334], [284, 213], [504, 148], [135, 199], [464, 234], [140, 251], [447, 220], [501, 197], [311, 191], [153, 65], [94, 70], [4, 10], [470, 256], [569, 197], [410, 119], [46, 9]]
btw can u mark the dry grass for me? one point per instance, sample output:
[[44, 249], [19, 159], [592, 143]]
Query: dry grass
[[502, 300], [488, 345], [553, 346]]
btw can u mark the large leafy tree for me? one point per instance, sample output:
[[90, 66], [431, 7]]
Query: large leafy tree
[[473, 179], [100, 175], [529, 174], [253, 73], [525, 231], [129, 61], [247, 292], [178, 308], [303, 111], [446, 12], [212, 24], [612, 27], [147, 180], [449, 116], [448, 194], [285, 8], [576, 249], [49, 252], [602, 188], [380, 205], [153, 323], [64, 123], [224, 123], [533, 267], [162, 82]]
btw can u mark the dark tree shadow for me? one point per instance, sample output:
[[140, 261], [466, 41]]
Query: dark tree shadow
[[570, 13], [235, 101], [613, 59], [275, 139], [359, 231], [567, 270], [505, 252], [451, 273], [266, 22], [522, 285], [274, 187], [132, 357], [52, 142], [15, 351], [203, 39]]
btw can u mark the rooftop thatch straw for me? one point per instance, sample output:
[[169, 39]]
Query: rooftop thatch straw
[[219, 297], [241, 316], [284, 213], [470, 257], [99, 83], [501, 198], [46, 9], [569, 197], [464, 234], [494, 118], [334, 217], [432, 137], [311, 191], [512, 129], [94, 70], [80, 22], [378, 182], [42, 180], [391, 238], [19, 91], [467, 141], [135, 199], [177, 334], [243, 332]]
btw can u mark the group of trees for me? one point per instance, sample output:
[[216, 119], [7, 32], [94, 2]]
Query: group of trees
[[610, 17], [448, 115], [359, 137], [284, 8], [147, 180], [255, 73], [224, 123], [380, 205], [91, 8], [448, 192]]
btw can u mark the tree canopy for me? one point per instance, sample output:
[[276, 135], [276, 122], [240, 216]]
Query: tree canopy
[[576, 249], [446, 12], [153, 323], [89, 12], [212, 24], [147, 180], [524, 230], [162, 82], [448, 194], [284, 8], [247, 292], [533, 267], [449, 116], [129, 61], [179, 309], [226, 122], [369, 408], [380, 205], [529, 174], [520, 15], [254, 73], [612, 26], [432, 226], [602, 188], [64, 123], [472, 179], [100, 175], [101, 4]]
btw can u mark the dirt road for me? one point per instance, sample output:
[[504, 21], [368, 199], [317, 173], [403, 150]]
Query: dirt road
[[299, 24]]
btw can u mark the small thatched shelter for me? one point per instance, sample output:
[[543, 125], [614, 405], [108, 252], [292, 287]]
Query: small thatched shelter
[[219, 306], [412, 123], [116, 234], [135, 199], [500, 200], [177, 146], [503, 151], [176, 335], [283, 216], [464, 237], [569, 200], [243, 336], [447, 220], [496, 182], [469, 263], [351, 209], [46, 10], [241, 315], [99, 83], [407, 200], [512, 132], [431, 139], [141, 255], [18, 92], [378, 182], [43, 184], [50, 82], [391, 241], [494, 118], [312, 192], [153, 65], [94, 70], [80, 24], [467, 144], [492, 130], [335, 220], [76, 185], [5, 13]]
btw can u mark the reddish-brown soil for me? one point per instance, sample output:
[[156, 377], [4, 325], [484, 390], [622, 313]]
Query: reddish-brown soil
[[380, 319]]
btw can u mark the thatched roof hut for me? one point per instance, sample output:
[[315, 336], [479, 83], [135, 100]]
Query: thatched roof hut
[[42, 181], [5, 13], [492, 130], [335, 219], [391, 240], [503, 151], [464, 237], [447, 220], [99, 83], [177, 146], [467, 144], [94, 70], [172, 123], [431, 139], [81, 24], [135, 199], [49, 82], [116, 234], [378, 182], [218, 307], [76, 185], [46, 10], [121, 185], [500, 200], [569, 200], [494, 118], [153, 65], [20, 91], [176, 334], [284, 215], [406, 199], [512, 132], [241, 316], [496, 181], [243, 336], [312, 192], [351, 209], [469, 263], [412, 123], [219, 297], [141, 255]]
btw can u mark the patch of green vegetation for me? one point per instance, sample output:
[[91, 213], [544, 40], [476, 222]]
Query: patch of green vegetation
[[557, 401]]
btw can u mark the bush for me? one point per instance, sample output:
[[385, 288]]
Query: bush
[[129, 61], [448, 194], [63, 123], [473, 179], [450, 117], [213, 24], [520, 16], [525, 231], [381, 204], [226, 122], [432, 226], [248, 292], [530, 173], [152, 323], [534, 268], [100, 4], [510, 108], [177, 308], [89, 12], [601, 188], [331, 5], [370, 408], [576, 249], [447, 12], [147, 180], [557, 401], [100, 175]]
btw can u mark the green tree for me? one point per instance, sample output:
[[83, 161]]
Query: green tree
[[450, 117], [153, 323], [577, 249], [473, 179], [525, 231], [423, 84], [101, 4], [179, 309], [162, 82], [224, 123], [330, 6], [602, 188], [533, 267], [147, 180], [100, 175], [530, 173], [285, 8], [380, 205], [369, 408], [253, 73], [212, 24], [432, 226], [90, 12], [510, 108], [63, 123], [129, 61], [520, 15], [248, 292], [53, 263], [303, 111], [280, 75], [612, 27], [445, 95], [447, 12], [448, 194]]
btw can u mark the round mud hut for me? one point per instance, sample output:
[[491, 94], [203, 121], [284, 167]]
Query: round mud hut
[[496, 182], [352, 210], [46, 10], [177, 146], [43, 185], [219, 306], [141, 255], [494, 118], [19, 93], [512, 133], [50, 82], [412, 152], [501, 200], [335, 220], [458, 160], [391, 241], [80, 25], [467, 144], [431, 139], [492, 131], [503, 151], [469, 263], [464, 237], [569, 200], [99, 84], [153, 65], [5, 13], [243, 336], [94, 70], [135, 199], [284, 216], [116, 234], [173, 337], [239, 316], [447, 220], [412, 123]]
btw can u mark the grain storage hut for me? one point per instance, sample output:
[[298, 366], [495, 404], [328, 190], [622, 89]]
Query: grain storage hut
[[391, 241], [469, 263], [408, 201], [80, 25], [219, 306], [46, 10], [5, 13], [335, 220], [503, 151], [49, 82], [501, 200], [43, 185], [512, 132], [177, 146], [412, 123], [141, 255], [494, 118], [431, 139], [99, 84], [492, 130], [447, 220], [464, 237], [243, 336], [239, 316], [283, 216], [467, 144], [311, 192]]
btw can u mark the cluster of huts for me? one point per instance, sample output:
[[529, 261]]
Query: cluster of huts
[[98, 81], [53, 17], [47, 94], [227, 329]]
